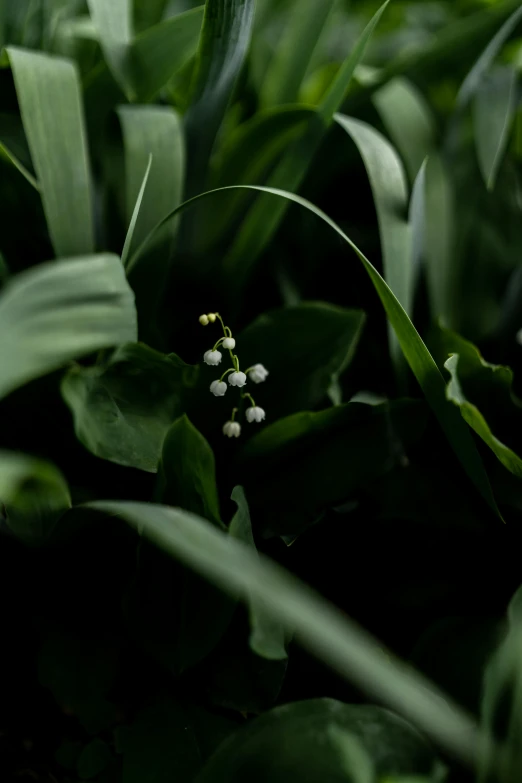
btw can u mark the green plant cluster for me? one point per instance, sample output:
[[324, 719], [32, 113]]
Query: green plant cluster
[[329, 191]]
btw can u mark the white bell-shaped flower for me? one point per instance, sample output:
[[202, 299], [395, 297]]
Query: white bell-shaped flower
[[212, 357], [237, 379], [218, 388], [229, 343], [232, 429], [258, 373], [255, 413]]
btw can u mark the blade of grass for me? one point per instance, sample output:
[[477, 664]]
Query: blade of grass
[[134, 218], [390, 196], [18, 165], [494, 108], [408, 120], [290, 62], [331, 636], [417, 355], [224, 41], [49, 95], [113, 21], [265, 216], [158, 53]]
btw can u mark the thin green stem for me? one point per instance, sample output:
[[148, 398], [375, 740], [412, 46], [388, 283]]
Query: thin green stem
[[252, 402], [218, 343], [235, 360], [230, 369], [234, 411]]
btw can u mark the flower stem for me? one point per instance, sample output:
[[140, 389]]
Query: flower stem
[[218, 343], [234, 411], [246, 394], [230, 369]]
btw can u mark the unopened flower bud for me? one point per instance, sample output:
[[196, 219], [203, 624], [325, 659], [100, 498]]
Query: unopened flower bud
[[229, 343], [211, 317], [218, 388], [203, 320]]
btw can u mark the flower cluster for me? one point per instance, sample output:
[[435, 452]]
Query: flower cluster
[[257, 374]]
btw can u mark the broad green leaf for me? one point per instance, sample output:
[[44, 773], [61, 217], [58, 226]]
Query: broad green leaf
[[326, 456], [408, 120], [49, 95], [187, 471], [113, 22], [33, 493], [136, 211], [494, 107], [148, 13], [156, 131], [482, 65], [353, 758], [267, 637], [265, 216], [123, 409], [61, 311], [439, 231], [390, 195], [291, 59], [223, 45], [417, 355], [327, 633], [298, 742], [158, 53], [93, 759], [299, 377], [472, 415]]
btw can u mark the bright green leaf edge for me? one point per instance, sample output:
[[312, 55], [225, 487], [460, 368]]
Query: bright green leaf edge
[[417, 355], [472, 416]]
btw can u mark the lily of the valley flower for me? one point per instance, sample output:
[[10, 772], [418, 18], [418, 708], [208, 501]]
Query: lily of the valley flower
[[258, 373], [218, 388], [237, 379], [203, 320], [229, 343], [212, 357], [255, 413], [232, 429]]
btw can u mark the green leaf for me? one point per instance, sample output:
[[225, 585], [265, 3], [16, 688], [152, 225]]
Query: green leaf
[[132, 225], [19, 165], [33, 494], [408, 120], [299, 377], [161, 746], [247, 156], [156, 131], [61, 311], [291, 59], [93, 759], [148, 12], [417, 355], [353, 758], [123, 409], [159, 52], [439, 230], [304, 740], [494, 107], [472, 415], [327, 456], [187, 471], [390, 196], [223, 45], [267, 637], [113, 22], [473, 79], [327, 633], [49, 96], [265, 216]]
